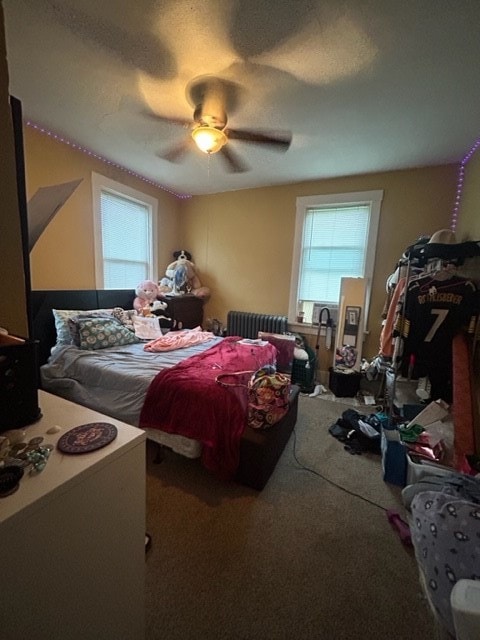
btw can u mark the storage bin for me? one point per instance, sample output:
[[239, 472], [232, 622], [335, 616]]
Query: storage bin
[[418, 470], [344, 385], [465, 602]]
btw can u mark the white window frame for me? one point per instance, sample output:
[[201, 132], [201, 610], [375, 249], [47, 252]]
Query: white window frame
[[371, 198], [101, 183]]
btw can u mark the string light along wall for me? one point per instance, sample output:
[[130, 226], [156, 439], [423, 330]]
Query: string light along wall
[[88, 152], [92, 154], [461, 177]]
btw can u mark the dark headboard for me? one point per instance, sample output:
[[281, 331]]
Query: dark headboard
[[42, 303]]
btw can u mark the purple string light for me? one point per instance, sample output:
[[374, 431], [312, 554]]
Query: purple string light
[[460, 180], [90, 153]]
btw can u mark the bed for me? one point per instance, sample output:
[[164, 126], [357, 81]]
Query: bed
[[116, 380]]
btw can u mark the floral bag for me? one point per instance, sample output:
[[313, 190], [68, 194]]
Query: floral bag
[[268, 395]]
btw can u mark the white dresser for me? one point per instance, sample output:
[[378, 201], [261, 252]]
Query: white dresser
[[72, 538]]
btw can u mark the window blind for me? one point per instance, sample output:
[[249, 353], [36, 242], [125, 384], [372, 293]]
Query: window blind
[[125, 240], [333, 247]]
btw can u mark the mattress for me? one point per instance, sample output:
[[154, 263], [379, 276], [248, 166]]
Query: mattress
[[114, 381]]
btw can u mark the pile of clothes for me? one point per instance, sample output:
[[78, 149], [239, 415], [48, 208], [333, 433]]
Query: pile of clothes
[[359, 432]]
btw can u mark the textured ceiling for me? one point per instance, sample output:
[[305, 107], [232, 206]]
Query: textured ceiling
[[362, 85]]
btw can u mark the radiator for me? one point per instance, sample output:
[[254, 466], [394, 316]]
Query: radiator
[[247, 324]]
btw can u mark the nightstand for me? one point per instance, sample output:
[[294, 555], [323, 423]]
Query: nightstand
[[186, 309]]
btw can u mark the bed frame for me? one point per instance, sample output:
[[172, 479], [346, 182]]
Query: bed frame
[[42, 303], [260, 450]]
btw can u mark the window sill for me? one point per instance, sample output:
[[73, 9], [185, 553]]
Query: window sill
[[305, 327], [312, 329]]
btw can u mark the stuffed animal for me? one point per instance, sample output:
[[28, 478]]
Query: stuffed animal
[[146, 292], [181, 277], [124, 317], [159, 310], [147, 305]]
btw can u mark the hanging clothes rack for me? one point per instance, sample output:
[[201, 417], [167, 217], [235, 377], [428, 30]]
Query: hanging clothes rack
[[419, 256]]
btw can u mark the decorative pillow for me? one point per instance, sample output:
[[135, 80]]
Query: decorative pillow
[[73, 326], [99, 333], [61, 322], [285, 345]]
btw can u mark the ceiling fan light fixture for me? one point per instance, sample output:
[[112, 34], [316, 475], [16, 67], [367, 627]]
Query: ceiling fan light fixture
[[209, 139]]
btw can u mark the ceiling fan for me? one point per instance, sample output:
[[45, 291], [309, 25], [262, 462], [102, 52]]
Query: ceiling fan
[[211, 98]]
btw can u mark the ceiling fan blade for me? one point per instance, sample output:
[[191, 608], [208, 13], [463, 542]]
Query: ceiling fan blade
[[278, 140], [185, 122], [176, 152], [234, 163]]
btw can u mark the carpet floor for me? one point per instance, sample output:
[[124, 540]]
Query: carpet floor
[[311, 556]]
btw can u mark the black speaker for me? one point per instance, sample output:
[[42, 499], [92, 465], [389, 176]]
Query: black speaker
[[18, 382]]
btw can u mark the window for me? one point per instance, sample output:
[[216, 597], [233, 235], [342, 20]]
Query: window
[[125, 235], [335, 237]]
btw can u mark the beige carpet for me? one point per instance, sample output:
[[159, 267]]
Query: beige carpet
[[303, 559]]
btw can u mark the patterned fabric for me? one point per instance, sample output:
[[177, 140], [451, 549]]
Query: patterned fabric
[[446, 536], [99, 333], [73, 324], [268, 394], [346, 355], [61, 322], [125, 317]]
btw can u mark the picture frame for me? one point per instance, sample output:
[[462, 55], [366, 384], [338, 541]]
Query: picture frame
[[352, 325]]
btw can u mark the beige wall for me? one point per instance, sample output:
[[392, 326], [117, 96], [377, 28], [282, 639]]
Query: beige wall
[[13, 313], [242, 241], [63, 257], [468, 226]]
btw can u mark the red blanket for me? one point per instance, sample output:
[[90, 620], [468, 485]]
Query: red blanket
[[186, 400]]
